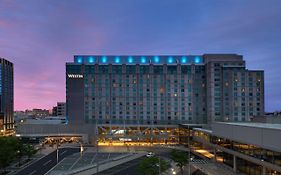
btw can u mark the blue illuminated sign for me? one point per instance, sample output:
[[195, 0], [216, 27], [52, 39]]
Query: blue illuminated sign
[[104, 59], [117, 59], [143, 59], [156, 59], [130, 59], [170, 60], [91, 59]]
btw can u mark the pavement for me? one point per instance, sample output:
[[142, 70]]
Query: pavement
[[125, 166], [44, 164], [130, 167], [88, 160], [198, 163]]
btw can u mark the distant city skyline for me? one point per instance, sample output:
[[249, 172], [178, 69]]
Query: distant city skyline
[[39, 37]]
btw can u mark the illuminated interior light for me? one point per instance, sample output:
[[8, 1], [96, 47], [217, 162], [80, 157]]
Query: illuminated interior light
[[197, 60], [156, 59], [104, 59], [130, 59], [170, 60], [117, 59], [183, 59], [91, 59], [143, 59], [79, 60]]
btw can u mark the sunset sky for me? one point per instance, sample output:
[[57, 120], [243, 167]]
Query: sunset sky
[[39, 36]]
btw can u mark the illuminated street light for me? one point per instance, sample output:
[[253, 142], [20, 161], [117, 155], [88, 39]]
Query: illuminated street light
[[81, 149]]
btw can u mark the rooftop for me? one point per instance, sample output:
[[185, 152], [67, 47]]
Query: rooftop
[[138, 59], [255, 125]]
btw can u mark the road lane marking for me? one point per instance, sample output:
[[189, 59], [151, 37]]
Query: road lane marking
[[47, 162], [32, 172], [63, 153]]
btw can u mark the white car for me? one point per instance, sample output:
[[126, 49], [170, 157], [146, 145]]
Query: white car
[[150, 154]]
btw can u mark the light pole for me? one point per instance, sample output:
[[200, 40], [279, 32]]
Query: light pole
[[57, 151], [159, 165], [188, 150], [81, 149], [97, 135]]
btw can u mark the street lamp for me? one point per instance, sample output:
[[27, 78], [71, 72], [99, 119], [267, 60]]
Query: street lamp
[[57, 151], [81, 149], [159, 166], [97, 150], [188, 149]]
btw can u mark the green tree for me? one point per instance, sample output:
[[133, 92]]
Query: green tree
[[7, 151], [150, 166], [20, 152], [181, 159], [29, 150]]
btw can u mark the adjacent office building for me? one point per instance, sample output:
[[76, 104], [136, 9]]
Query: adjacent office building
[[59, 110], [6, 95]]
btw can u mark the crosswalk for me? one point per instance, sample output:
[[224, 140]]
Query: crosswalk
[[199, 161]]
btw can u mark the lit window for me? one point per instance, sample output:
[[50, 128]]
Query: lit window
[[170, 60], [197, 60], [183, 59], [130, 59], [104, 59], [143, 59], [156, 59], [117, 59], [91, 59], [79, 60]]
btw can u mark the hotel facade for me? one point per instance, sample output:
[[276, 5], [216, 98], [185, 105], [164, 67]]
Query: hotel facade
[[152, 94]]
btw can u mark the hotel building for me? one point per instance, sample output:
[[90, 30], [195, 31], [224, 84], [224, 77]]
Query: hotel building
[[156, 93]]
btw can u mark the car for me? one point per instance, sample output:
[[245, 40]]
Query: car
[[150, 154]]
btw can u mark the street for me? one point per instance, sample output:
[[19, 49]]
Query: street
[[130, 168], [43, 165]]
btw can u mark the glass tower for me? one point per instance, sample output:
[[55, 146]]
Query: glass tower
[[6, 95]]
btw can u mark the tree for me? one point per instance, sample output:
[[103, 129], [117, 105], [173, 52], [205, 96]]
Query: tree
[[20, 152], [150, 166], [29, 150], [7, 151], [181, 159]]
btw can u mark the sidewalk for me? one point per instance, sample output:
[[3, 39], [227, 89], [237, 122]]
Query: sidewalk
[[209, 168]]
